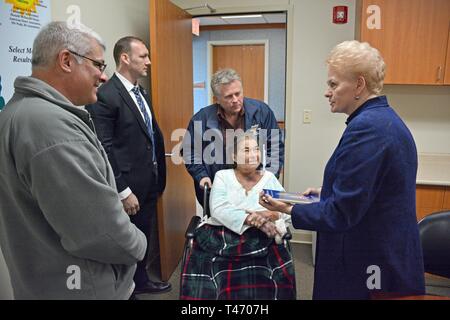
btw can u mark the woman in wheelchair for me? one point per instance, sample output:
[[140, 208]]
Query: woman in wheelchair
[[234, 255]]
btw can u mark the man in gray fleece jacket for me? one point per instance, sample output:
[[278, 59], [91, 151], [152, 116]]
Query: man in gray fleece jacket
[[63, 230]]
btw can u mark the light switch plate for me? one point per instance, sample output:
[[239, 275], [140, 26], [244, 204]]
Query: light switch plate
[[307, 116]]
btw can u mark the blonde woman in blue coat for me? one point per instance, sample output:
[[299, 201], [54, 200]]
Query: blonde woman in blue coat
[[368, 240]]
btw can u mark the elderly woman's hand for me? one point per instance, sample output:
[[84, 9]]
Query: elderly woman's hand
[[274, 205], [270, 215], [270, 229], [254, 219], [257, 220]]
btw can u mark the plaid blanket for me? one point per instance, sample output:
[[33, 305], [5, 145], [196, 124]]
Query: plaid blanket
[[226, 266]]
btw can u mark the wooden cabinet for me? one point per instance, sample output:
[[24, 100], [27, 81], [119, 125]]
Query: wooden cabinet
[[447, 65], [413, 39], [430, 199], [446, 204]]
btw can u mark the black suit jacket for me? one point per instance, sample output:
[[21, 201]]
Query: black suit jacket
[[122, 131]]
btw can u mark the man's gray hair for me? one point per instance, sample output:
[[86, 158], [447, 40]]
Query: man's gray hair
[[224, 76], [59, 35]]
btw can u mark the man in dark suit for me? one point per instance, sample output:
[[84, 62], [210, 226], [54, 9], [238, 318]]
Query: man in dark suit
[[126, 126]]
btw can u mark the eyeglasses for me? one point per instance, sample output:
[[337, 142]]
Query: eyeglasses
[[99, 65]]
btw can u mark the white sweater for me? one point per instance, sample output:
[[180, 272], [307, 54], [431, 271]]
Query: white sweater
[[229, 201]]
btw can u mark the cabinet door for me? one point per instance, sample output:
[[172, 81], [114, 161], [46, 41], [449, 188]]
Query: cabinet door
[[430, 196], [412, 39], [423, 212], [447, 61], [429, 199], [446, 205]]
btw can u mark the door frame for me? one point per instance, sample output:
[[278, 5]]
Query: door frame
[[209, 62]]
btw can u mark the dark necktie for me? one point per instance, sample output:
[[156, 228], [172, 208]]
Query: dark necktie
[[148, 122]]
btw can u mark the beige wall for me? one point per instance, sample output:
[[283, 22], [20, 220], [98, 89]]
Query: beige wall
[[111, 19], [426, 111], [310, 145]]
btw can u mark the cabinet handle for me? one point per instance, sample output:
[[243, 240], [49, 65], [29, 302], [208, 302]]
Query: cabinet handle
[[439, 70]]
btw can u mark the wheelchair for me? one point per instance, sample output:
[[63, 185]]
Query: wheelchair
[[194, 223]]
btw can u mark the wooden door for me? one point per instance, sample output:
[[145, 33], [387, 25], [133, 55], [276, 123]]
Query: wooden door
[[248, 61], [172, 97], [412, 39]]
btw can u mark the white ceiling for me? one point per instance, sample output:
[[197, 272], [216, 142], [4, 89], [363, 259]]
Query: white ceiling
[[250, 19]]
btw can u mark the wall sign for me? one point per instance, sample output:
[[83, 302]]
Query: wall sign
[[20, 22]]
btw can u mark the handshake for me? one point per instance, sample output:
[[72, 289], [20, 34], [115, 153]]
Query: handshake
[[269, 222]]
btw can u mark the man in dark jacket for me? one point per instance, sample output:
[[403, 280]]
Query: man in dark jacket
[[128, 130], [212, 129]]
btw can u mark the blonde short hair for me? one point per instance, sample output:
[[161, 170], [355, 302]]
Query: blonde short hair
[[354, 59]]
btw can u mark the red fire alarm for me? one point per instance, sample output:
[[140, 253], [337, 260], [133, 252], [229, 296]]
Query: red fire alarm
[[340, 14]]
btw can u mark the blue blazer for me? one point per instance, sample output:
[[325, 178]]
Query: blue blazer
[[366, 218], [122, 131]]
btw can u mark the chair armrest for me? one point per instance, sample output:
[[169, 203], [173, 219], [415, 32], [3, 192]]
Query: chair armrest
[[288, 235], [192, 226]]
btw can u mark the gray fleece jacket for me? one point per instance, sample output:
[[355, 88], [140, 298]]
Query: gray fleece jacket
[[63, 230]]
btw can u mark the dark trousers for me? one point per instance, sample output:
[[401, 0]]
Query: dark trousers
[[146, 221]]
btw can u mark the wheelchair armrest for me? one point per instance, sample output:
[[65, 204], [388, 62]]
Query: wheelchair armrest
[[288, 235], [192, 226]]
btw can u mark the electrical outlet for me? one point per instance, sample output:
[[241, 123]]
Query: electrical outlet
[[307, 116]]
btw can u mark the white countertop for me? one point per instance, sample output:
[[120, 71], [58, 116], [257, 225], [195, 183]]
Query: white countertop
[[433, 169]]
